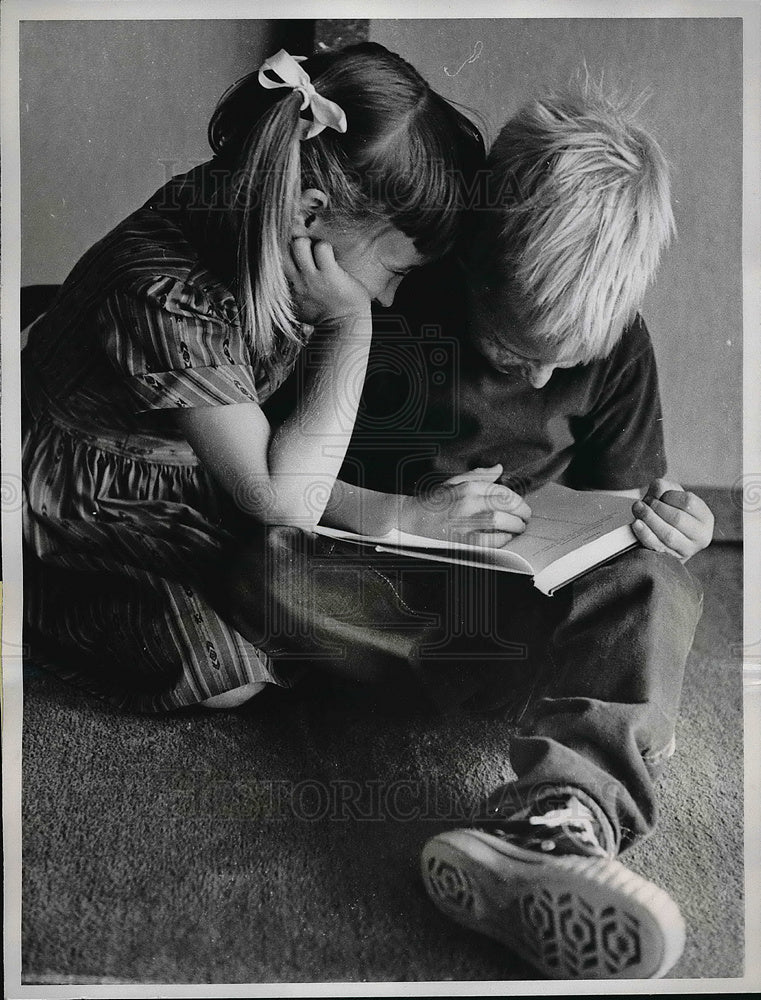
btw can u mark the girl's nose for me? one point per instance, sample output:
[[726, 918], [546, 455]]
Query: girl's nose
[[539, 375], [386, 297]]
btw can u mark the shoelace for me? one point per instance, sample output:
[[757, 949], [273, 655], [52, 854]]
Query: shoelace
[[535, 831], [578, 823]]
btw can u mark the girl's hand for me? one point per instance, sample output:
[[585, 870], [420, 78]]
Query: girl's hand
[[324, 294], [672, 520], [469, 507]]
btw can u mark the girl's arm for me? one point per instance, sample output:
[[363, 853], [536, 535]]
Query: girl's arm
[[286, 477], [234, 443], [289, 476], [468, 507]]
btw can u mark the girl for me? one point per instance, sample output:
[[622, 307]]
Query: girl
[[147, 455]]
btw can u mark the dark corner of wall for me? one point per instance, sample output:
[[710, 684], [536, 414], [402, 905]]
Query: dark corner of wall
[[334, 34], [303, 35]]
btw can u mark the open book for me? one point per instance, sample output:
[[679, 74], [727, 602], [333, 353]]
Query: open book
[[569, 533]]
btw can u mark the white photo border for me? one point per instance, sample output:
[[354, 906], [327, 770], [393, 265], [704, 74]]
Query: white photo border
[[14, 11]]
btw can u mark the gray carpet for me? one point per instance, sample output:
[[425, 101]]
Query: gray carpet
[[279, 843]]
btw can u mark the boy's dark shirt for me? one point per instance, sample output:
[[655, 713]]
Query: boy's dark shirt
[[432, 406]]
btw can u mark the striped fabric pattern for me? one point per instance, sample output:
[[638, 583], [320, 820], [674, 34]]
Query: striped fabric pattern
[[121, 522]]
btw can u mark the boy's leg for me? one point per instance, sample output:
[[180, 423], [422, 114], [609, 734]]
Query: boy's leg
[[537, 870], [372, 617], [617, 641], [311, 601], [605, 723]]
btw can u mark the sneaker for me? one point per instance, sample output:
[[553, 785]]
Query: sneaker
[[545, 885]]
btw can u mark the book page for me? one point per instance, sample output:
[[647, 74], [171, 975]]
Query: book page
[[562, 520]]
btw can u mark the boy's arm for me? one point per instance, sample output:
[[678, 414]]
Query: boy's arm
[[672, 520], [669, 519], [619, 444], [626, 442]]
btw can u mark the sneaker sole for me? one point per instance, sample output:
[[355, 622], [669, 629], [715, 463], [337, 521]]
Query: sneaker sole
[[572, 917]]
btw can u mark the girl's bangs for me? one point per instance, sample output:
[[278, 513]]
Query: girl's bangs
[[428, 212], [427, 194]]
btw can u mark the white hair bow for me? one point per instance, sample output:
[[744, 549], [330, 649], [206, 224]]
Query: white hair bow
[[326, 114]]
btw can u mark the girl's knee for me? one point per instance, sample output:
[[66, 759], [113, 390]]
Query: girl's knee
[[235, 698]]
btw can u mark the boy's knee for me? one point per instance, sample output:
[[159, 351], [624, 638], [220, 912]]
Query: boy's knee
[[255, 577], [247, 568], [664, 580]]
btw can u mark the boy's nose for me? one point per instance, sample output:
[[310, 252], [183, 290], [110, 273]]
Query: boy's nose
[[539, 375]]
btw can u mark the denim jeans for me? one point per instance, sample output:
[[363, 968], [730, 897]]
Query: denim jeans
[[592, 676]]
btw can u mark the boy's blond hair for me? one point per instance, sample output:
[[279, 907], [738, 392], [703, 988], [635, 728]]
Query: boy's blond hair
[[582, 215]]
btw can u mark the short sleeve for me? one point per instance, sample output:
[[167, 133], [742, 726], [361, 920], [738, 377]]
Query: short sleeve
[[173, 346], [619, 443]]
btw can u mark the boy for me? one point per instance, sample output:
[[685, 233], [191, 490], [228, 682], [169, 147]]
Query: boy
[[555, 273], [552, 378]]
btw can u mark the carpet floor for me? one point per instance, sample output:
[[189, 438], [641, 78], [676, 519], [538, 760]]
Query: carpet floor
[[280, 842]]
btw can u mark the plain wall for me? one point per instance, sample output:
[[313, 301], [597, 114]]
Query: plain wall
[[693, 67], [110, 110]]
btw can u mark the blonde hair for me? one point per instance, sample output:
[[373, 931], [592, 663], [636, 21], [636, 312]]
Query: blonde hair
[[583, 215], [404, 161]]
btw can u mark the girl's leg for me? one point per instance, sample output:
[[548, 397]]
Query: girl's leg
[[236, 697], [147, 645]]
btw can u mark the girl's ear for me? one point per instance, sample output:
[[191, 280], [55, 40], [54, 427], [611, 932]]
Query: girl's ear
[[311, 207]]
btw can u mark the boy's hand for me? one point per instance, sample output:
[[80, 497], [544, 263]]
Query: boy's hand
[[469, 507], [324, 294], [672, 520]]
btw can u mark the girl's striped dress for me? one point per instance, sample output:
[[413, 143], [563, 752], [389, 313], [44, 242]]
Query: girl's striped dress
[[123, 528]]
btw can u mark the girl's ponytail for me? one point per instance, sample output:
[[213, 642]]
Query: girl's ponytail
[[266, 189]]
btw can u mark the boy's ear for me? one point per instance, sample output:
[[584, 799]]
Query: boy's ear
[[312, 206]]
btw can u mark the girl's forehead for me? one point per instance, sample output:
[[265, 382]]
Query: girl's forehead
[[392, 244]]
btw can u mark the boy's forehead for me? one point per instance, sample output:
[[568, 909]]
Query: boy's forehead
[[496, 322]]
